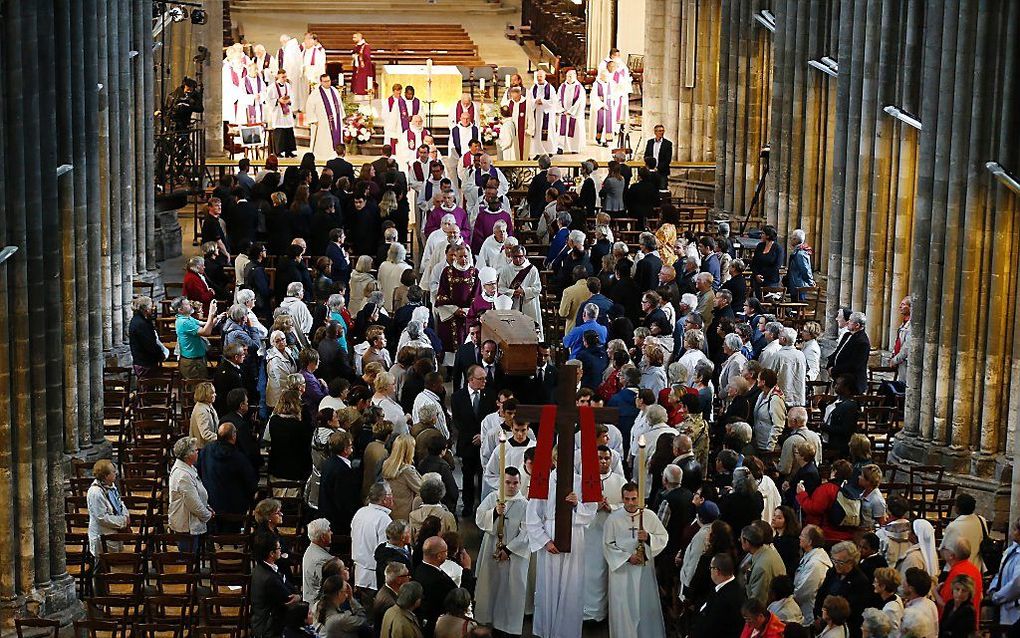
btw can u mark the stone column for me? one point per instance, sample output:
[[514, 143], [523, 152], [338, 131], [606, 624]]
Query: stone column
[[106, 171]]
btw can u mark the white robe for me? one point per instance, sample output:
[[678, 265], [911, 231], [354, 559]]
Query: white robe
[[634, 608], [318, 120], [514, 458], [472, 197], [252, 100], [539, 114], [603, 108], [490, 253], [501, 586], [490, 440], [408, 143], [393, 127], [509, 131], [433, 253], [460, 137], [572, 101], [291, 52], [277, 118], [368, 531], [233, 89], [530, 303], [313, 65], [267, 67], [596, 571], [623, 86], [559, 608], [454, 115]]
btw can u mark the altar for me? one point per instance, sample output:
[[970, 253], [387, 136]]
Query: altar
[[446, 84]]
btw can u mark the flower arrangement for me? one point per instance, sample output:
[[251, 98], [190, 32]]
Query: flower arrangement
[[358, 129], [490, 131]]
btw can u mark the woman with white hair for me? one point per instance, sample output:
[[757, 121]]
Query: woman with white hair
[[360, 279], [390, 271], [280, 362], [732, 345], [385, 387], [296, 308], [189, 510], [414, 334], [798, 269]]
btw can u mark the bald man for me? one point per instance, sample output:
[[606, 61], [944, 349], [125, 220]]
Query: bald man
[[228, 476], [435, 582]]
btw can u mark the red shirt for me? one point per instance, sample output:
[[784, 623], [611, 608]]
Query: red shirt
[[946, 588], [196, 289], [815, 507]]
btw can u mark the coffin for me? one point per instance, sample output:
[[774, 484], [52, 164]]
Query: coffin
[[515, 334]]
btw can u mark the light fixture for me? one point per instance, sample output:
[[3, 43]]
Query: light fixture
[[177, 14], [1004, 178], [766, 19], [64, 169], [903, 116], [829, 62], [199, 16], [6, 252], [824, 68]]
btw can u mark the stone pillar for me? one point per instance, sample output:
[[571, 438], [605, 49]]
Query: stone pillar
[[115, 104], [106, 169]]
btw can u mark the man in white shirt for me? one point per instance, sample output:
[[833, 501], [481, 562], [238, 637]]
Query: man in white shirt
[[967, 525], [920, 614], [433, 394], [368, 531]]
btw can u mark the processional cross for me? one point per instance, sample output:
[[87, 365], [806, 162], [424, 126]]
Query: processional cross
[[560, 418]]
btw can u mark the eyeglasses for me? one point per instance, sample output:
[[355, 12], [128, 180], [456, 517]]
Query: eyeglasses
[[845, 561]]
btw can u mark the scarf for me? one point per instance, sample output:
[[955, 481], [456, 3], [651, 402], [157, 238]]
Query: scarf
[[331, 111], [282, 90]]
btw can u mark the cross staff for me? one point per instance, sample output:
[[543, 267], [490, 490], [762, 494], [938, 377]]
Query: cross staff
[[567, 415]]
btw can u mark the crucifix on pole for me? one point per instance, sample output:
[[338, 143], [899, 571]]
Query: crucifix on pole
[[563, 417]]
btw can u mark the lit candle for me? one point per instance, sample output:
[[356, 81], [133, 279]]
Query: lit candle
[[641, 471], [370, 83], [502, 467], [481, 84], [506, 80], [428, 66]]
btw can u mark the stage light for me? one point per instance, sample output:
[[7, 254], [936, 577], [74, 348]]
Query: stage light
[[177, 14], [903, 116], [1004, 178], [6, 252], [199, 16], [766, 19], [821, 66]]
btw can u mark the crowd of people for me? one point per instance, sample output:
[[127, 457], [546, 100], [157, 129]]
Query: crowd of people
[[352, 364]]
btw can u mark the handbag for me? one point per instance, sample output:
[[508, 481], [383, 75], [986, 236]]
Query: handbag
[[990, 550]]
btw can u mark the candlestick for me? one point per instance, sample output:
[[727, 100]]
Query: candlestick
[[502, 467], [428, 66], [481, 86], [641, 471], [370, 83]]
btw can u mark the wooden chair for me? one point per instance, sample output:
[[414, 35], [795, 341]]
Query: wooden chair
[[224, 611], [158, 629], [80, 562], [51, 627], [92, 628]]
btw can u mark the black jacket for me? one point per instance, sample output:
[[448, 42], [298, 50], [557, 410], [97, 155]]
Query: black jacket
[[242, 222], [853, 586], [738, 288], [625, 292], [641, 198], [586, 202], [145, 350], [290, 456], [851, 357], [665, 155], [468, 354], [339, 494], [228, 477], [226, 378], [536, 193], [384, 555], [841, 425], [646, 275], [466, 420], [288, 271], [721, 614], [269, 596], [341, 168], [431, 463], [247, 440], [437, 585]]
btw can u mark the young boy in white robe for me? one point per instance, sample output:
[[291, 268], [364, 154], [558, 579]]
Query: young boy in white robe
[[596, 571], [521, 438]]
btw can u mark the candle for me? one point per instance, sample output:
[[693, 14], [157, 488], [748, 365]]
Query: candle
[[506, 80], [481, 84], [428, 66], [641, 471], [502, 467], [370, 83]]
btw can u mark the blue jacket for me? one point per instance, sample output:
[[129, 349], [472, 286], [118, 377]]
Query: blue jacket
[[559, 240], [711, 265], [798, 273], [594, 362], [604, 303], [574, 340], [228, 477], [624, 402]]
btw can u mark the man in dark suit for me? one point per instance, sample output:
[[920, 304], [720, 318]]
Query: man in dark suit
[[543, 384], [660, 149], [587, 197], [395, 575], [242, 220], [851, 354], [396, 549], [469, 406], [624, 402], [270, 593], [468, 354], [340, 166], [646, 275], [642, 196], [720, 615], [227, 474], [339, 485], [539, 185], [236, 413], [435, 582], [381, 163], [228, 375]]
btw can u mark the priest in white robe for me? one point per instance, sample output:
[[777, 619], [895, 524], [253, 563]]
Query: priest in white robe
[[491, 253], [520, 439], [254, 96], [280, 111], [265, 63], [368, 531], [324, 114], [462, 106], [391, 108], [235, 70], [288, 58], [513, 126], [461, 135], [313, 65], [634, 608], [623, 86], [543, 105], [571, 121], [411, 139], [559, 577], [596, 573], [603, 108], [502, 580], [521, 281]]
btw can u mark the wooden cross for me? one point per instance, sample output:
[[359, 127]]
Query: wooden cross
[[567, 416]]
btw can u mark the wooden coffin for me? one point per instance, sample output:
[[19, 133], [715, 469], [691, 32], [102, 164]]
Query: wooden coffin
[[515, 334]]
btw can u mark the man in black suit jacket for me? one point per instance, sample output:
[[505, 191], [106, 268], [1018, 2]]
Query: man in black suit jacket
[[228, 375], [661, 150], [468, 354], [546, 379], [227, 474], [646, 275], [340, 166], [339, 485], [720, 615], [469, 406], [851, 355], [396, 549], [539, 185], [270, 593], [242, 220], [436, 583]]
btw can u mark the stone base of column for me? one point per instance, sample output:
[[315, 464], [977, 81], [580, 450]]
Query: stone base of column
[[98, 450], [985, 476], [62, 602], [168, 235]]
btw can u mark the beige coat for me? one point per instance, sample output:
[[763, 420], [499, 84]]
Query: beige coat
[[405, 486], [189, 502], [204, 422], [573, 297]]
